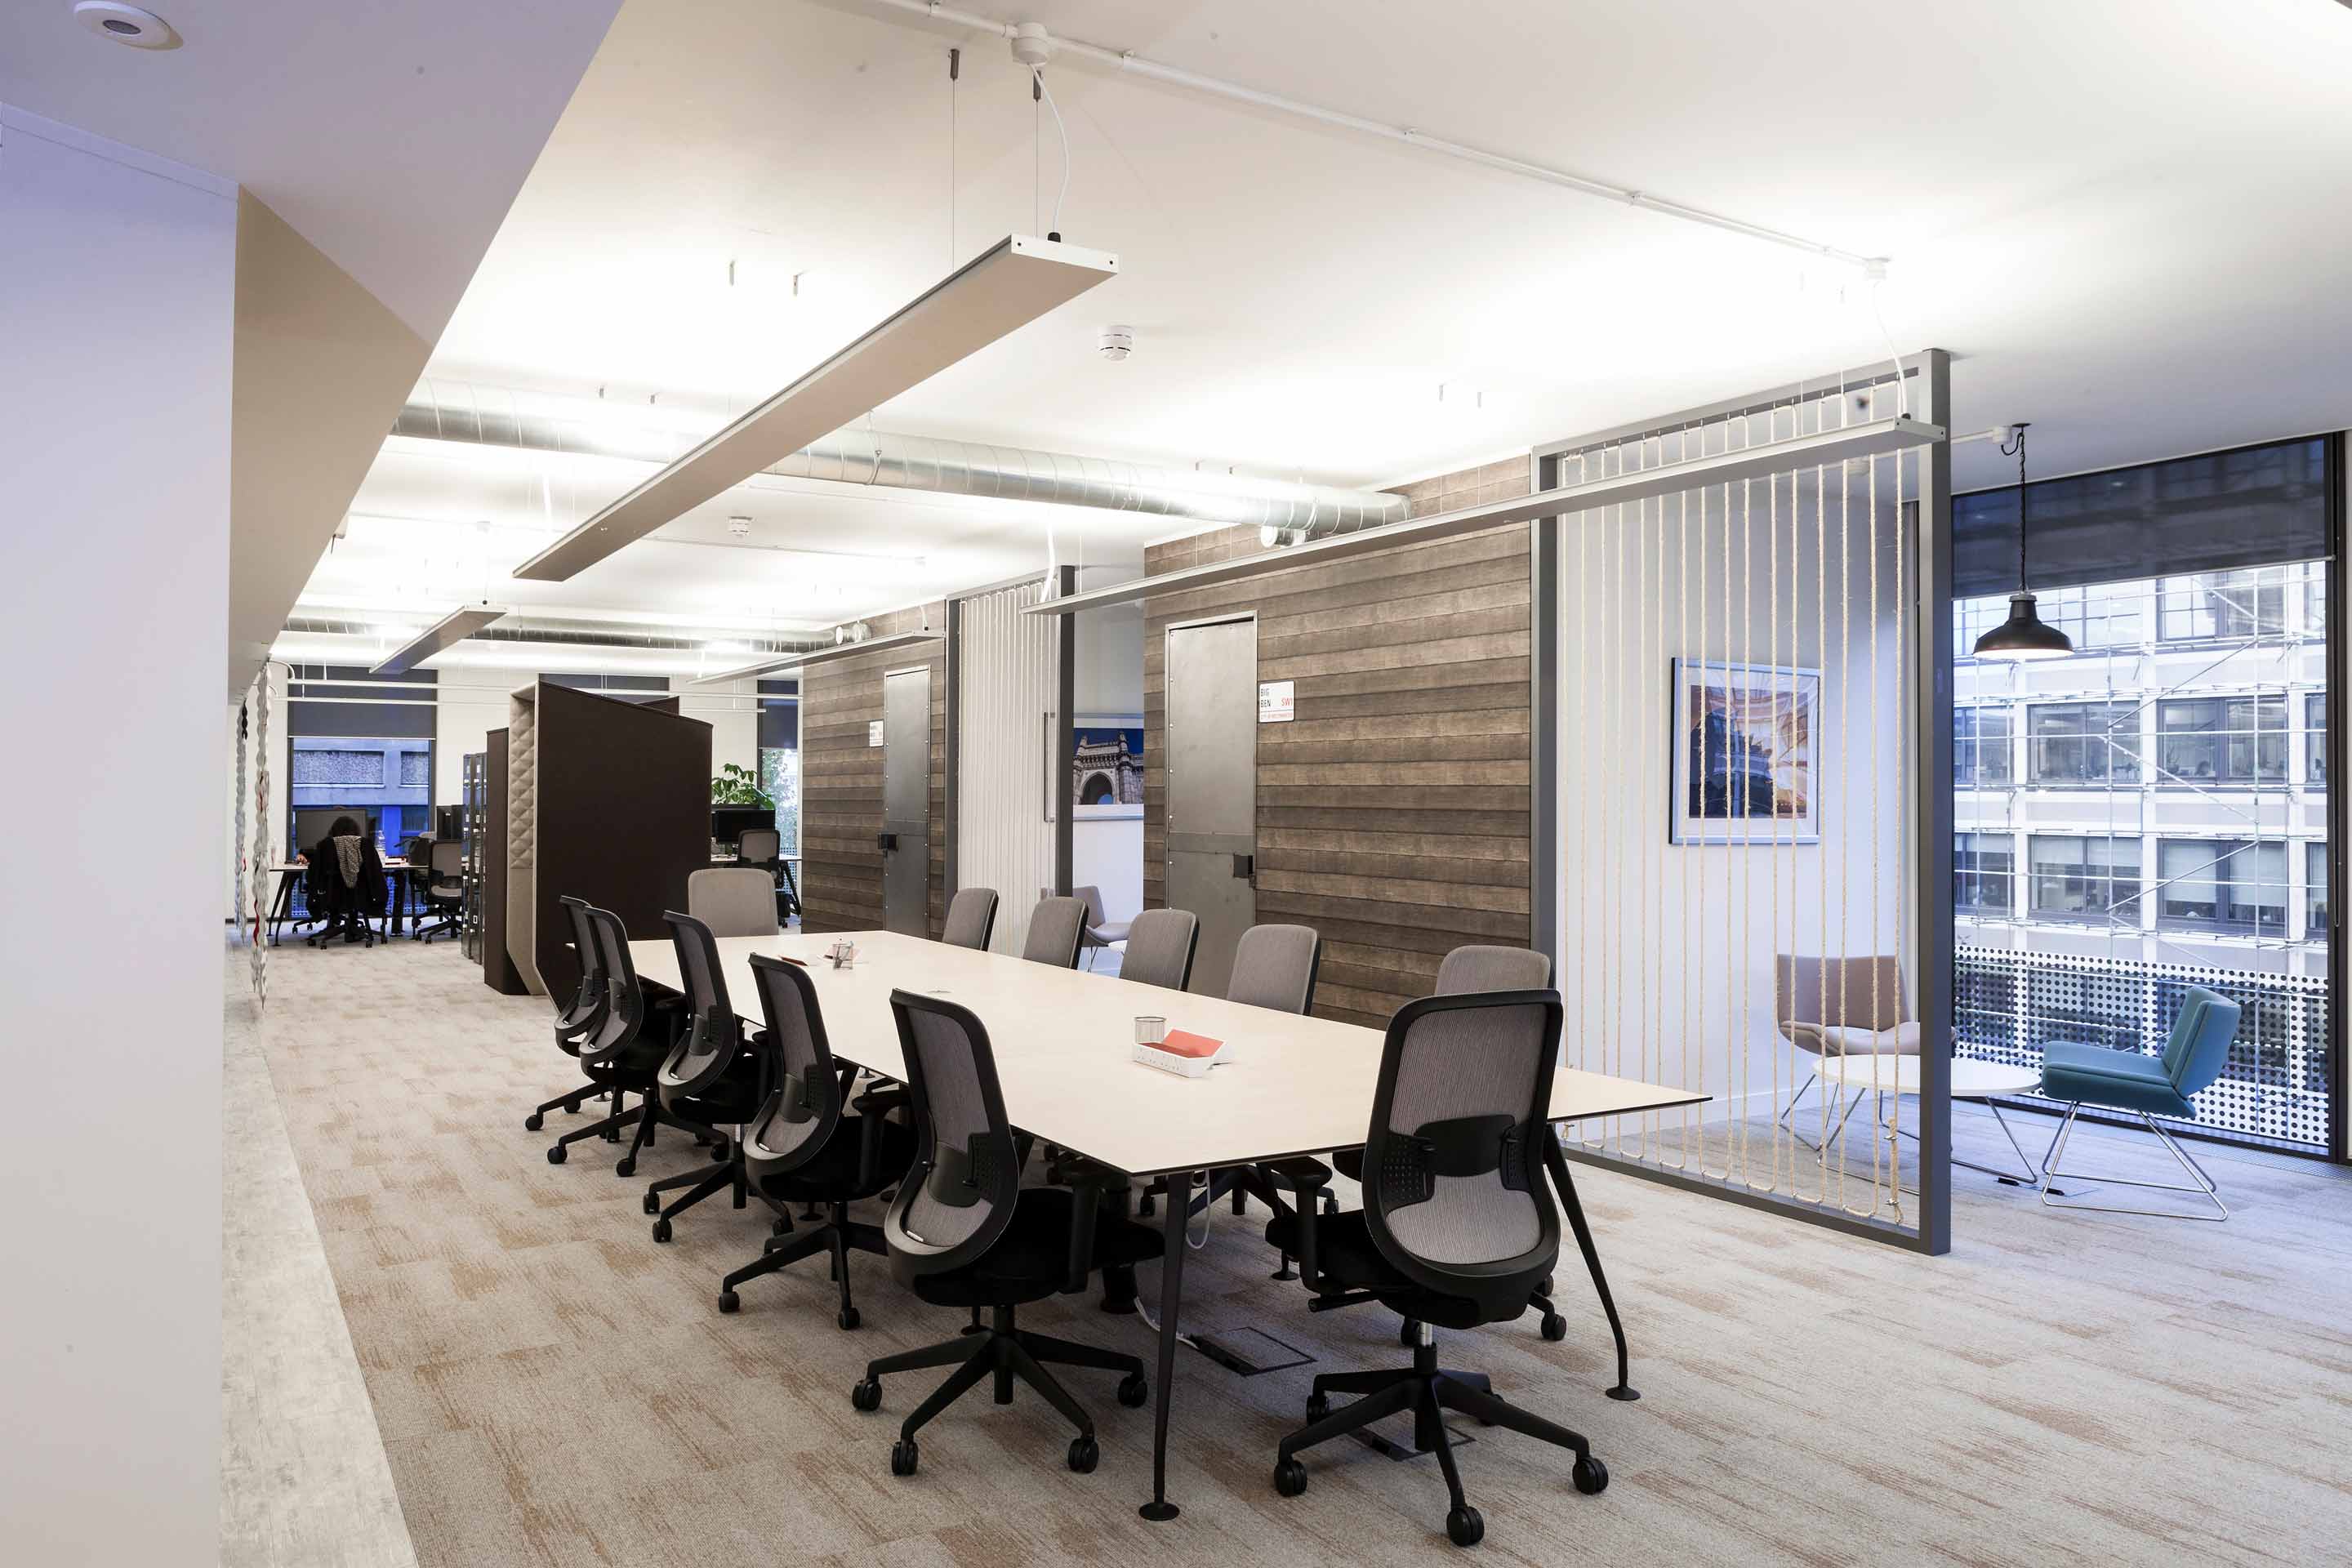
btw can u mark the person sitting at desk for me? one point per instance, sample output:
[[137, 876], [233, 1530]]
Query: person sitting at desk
[[345, 884]]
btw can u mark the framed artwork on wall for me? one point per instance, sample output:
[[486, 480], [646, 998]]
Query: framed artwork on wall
[[1746, 753]]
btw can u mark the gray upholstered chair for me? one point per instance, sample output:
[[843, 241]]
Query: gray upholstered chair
[[972, 918], [1275, 966], [1478, 968], [1055, 928], [1840, 1008], [1160, 948], [733, 900], [1100, 932]]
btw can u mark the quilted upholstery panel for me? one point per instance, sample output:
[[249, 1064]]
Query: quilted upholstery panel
[[522, 839]]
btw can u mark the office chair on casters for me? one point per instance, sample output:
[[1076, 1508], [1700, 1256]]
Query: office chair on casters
[[972, 918], [803, 1147], [1160, 944], [2149, 1086], [1457, 1230], [732, 901], [762, 848], [445, 888], [619, 1039], [708, 1080], [1057, 926], [963, 1232]]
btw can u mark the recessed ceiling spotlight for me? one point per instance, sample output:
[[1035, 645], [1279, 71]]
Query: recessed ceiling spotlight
[[126, 24]]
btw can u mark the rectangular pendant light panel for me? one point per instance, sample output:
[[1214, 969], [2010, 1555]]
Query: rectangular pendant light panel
[[1011, 284], [819, 655], [444, 634]]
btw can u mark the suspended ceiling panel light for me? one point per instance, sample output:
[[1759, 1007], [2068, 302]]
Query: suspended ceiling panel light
[[770, 665], [1004, 287], [2025, 635], [1825, 449], [442, 635]]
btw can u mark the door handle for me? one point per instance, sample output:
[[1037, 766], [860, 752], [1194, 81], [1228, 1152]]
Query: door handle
[[1245, 867], [886, 842]]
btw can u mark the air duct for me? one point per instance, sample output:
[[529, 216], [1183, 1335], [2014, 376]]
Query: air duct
[[925, 463]]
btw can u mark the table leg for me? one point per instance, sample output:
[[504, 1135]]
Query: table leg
[[1176, 1219], [1567, 1201]]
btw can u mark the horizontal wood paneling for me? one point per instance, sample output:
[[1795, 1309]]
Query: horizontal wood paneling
[[1392, 815], [841, 778]]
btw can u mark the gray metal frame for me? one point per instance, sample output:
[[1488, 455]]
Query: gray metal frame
[[1171, 834], [1928, 375]]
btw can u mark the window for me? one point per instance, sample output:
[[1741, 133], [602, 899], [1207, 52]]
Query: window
[[2108, 614], [1982, 865], [2315, 598], [2222, 740], [2314, 739], [2250, 602], [2315, 892], [1980, 748], [2219, 884], [2085, 742], [329, 766], [2085, 879]]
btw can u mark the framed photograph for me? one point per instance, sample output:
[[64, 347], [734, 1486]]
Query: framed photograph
[[1107, 766], [1746, 753]]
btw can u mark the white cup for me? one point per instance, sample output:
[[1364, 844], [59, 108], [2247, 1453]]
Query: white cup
[[1151, 1030]]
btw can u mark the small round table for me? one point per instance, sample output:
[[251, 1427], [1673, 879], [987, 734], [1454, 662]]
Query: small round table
[[1970, 1080]]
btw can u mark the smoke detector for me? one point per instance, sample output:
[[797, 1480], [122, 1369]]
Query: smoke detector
[[126, 24], [740, 526], [1032, 45], [1117, 343]]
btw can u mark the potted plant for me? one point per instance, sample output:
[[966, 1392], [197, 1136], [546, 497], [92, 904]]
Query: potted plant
[[738, 786]]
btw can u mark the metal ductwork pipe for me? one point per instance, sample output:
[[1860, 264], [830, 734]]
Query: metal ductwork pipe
[[944, 466]]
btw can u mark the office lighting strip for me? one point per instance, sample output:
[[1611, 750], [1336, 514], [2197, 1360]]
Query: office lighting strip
[[442, 635], [819, 655], [1866, 439]]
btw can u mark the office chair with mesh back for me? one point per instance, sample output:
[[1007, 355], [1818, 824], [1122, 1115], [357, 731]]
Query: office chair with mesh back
[[963, 1232], [805, 1146], [581, 1017], [1457, 1225], [1160, 948], [733, 900], [445, 888], [415, 882], [762, 848], [972, 918], [1055, 927], [709, 1079], [620, 1046]]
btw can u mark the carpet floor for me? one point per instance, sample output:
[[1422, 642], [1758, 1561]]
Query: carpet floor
[[554, 1388]]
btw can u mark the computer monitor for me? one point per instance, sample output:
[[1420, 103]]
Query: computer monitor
[[311, 823], [448, 822], [727, 822]]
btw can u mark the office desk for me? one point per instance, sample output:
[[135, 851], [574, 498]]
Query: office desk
[[1063, 1040], [281, 907]]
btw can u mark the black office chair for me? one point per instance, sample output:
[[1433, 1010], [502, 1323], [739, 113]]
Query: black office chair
[[802, 1148], [415, 889], [763, 847], [445, 888], [347, 897], [618, 1037], [709, 1079], [963, 1232], [1055, 926], [1160, 948], [972, 918], [1457, 1226]]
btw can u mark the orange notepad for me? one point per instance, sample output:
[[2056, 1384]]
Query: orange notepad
[[1182, 1042]]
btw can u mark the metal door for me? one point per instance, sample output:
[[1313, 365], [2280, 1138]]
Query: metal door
[[906, 800], [1211, 743]]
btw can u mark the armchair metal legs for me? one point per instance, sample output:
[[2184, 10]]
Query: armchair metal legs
[[2203, 1185]]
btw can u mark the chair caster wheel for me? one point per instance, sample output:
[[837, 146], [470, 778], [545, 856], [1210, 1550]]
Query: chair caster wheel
[[661, 1230], [1407, 1334], [653, 1203], [557, 1155], [781, 1226], [1084, 1455], [1590, 1476], [533, 1122], [1543, 1287], [1555, 1327], [1134, 1390], [866, 1396], [903, 1455], [625, 1169], [1464, 1526], [730, 1302], [846, 1318], [1289, 1478], [1318, 1406]]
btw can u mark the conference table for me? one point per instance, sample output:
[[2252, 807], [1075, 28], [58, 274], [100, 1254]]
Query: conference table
[[1064, 1042]]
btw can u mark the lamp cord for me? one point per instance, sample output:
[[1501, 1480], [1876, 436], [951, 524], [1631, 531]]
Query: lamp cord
[[2015, 447]]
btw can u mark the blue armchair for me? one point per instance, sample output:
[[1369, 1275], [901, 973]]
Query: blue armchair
[[2148, 1086]]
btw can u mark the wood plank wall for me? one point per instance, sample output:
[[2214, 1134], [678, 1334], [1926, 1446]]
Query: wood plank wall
[[841, 778], [1392, 815]]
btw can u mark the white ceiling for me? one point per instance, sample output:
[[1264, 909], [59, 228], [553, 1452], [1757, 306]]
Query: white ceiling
[[2123, 217]]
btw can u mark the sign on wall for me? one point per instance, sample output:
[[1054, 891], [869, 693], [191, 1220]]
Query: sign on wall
[[874, 731], [1278, 702]]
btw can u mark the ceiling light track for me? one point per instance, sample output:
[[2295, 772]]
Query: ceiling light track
[[1132, 64], [439, 637]]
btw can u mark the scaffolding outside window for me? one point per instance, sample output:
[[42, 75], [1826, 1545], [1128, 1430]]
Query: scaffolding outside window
[[2085, 879], [2212, 884], [2222, 740], [2078, 743]]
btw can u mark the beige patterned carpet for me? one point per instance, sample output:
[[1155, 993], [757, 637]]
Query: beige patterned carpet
[[554, 1388]]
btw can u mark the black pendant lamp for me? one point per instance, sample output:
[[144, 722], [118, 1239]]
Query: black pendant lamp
[[2024, 635]]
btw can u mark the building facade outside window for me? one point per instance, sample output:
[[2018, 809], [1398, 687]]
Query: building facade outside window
[[2222, 740], [1983, 874], [2216, 884], [1980, 748], [2085, 879], [2084, 743]]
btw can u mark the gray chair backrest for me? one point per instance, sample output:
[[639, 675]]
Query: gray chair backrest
[[959, 1196], [1054, 927], [972, 918], [1837, 992], [760, 846], [1160, 947], [626, 1007], [1092, 898], [448, 859], [804, 1105], [732, 901], [713, 1034], [1274, 966], [582, 1010], [1478, 968], [1455, 1193]]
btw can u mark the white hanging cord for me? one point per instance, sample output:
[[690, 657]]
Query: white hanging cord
[[1877, 275], [1038, 74]]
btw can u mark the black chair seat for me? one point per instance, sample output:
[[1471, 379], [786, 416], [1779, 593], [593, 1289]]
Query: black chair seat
[[633, 1069], [831, 1174], [1347, 1259], [1032, 1260], [733, 1099]]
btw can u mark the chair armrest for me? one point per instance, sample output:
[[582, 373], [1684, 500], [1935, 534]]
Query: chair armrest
[[1088, 1181], [1305, 1177]]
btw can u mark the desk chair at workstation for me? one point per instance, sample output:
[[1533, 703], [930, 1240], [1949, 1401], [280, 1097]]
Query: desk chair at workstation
[[972, 918], [346, 882], [1456, 1229], [963, 1232], [445, 888], [709, 1079], [762, 848]]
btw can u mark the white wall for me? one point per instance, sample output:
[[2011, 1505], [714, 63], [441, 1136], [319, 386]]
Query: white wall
[[471, 701], [117, 290], [1107, 852]]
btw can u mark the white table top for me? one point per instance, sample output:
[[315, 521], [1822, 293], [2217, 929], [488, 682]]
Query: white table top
[[1064, 1038], [1971, 1079]]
